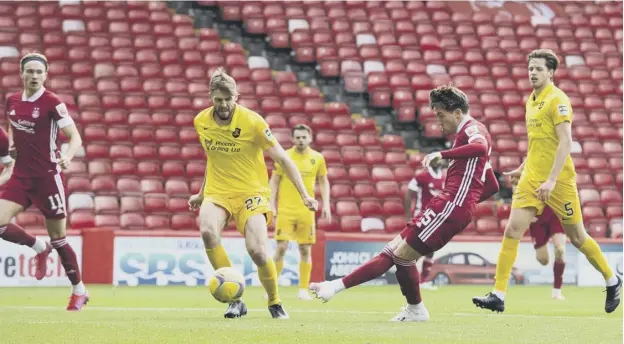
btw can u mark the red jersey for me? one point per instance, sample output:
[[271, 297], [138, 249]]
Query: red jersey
[[35, 123], [466, 175], [427, 184], [5, 158]]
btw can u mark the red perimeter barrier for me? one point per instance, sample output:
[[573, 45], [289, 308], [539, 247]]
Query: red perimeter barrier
[[98, 247]]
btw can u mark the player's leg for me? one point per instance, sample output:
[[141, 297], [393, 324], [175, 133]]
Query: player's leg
[[284, 232], [519, 221], [57, 230], [13, 200], [306, 237], [408, 277], [559, 241], [212, 219], [426, 267], [256, 241], [541, 254], [372, 269], [305, 271], [565, 202]]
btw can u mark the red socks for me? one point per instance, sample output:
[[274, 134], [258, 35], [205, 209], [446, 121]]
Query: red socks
[[558, 272], [370, 270], [426, 269], [68, 259]]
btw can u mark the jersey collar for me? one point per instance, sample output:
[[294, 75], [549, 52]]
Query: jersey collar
[[463, 122], [233, 123], [34, 97], [545, 92]]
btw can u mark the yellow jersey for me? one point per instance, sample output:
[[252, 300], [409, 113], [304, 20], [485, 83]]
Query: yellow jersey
[[551, 107], [311, 165], [235, 163]]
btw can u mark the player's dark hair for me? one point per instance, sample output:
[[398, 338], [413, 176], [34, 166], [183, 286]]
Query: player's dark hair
[[34, 56], [301, 127], [552, 61], [449, 98], [220, 80]]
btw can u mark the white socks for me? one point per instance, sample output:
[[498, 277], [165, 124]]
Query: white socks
[[612, 281], [500, 294], [39, 245], [79, 289], [556, 292], [415, 308], [338, 285]]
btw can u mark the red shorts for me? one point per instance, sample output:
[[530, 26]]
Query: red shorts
[[434, 227], [46, 192], [545, 227]]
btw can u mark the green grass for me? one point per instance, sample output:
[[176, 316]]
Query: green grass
[[190, 315]]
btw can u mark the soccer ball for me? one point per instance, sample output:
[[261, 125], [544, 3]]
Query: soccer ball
[[227, 285]]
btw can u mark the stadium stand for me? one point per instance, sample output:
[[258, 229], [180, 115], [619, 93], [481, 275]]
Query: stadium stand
[[134, 74]]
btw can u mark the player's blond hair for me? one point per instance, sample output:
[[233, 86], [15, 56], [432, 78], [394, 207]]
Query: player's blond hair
[[552, 61], [33, 56], [220, 80], [449, 98]]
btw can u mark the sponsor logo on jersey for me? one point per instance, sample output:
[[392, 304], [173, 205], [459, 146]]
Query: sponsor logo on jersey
[[563, 110], [236, 133], [35, 113], [541, 105], [21, 127]]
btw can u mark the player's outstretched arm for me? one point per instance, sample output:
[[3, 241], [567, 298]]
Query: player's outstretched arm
[[75, 141], [277, 153], [274, 182]]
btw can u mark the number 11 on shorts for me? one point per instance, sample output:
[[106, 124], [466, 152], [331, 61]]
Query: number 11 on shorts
[[56, 203]]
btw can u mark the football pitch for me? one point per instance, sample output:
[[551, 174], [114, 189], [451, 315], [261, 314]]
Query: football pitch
[[360, 315]]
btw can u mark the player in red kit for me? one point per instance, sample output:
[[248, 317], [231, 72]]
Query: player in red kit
[[425, 185], [469, 180], [35, 117], [542, 229], [5, 158]]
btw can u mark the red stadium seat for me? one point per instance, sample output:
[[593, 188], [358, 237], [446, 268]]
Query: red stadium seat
[[395, 224], [347, 208], [370, 208], [341, 191], [393, 207], [78, 220], [488, 226], [350, 223]]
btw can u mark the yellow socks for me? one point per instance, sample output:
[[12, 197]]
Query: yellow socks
[[218, 257], [506, 259], [305, 270], [594, 255], [268, 278], [279, 266]]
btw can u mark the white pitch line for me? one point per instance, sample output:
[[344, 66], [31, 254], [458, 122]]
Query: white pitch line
[[178, 309], [214, 309]]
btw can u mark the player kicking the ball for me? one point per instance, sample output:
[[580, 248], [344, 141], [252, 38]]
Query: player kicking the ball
[[547, 177], [35, 117], [236, 184], [470, 179], [294, 220], [423, 187]]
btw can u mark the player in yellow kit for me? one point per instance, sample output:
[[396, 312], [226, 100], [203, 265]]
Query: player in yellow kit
[[236, 184], [294, 221], [547, 177]]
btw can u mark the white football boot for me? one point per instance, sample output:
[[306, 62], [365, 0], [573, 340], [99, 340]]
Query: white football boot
[[412, 313], [304, 295], [327, 289]]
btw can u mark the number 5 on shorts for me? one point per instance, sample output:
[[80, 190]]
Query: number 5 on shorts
[[568, 209], [426, 218], [249, 202]]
